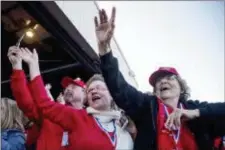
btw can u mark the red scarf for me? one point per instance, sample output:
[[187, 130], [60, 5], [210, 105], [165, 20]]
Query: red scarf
[[166, 140]]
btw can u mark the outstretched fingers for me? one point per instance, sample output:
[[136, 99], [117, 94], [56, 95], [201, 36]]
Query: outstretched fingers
[[96, 22], [113, 16], [105, 17]]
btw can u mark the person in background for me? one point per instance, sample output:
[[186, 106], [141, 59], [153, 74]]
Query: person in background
[[219, 143], [166, 119], [50, 136], [12, 126], [95, 126]]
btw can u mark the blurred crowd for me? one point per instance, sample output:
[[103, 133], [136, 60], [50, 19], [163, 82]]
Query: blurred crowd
[[105, 113]]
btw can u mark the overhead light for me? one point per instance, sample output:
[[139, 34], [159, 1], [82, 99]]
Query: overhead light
[[35, 27], [28, 22], [29, 34]]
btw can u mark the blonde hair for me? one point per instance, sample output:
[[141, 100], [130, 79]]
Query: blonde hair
[[11, 116], [99, 77], [95, 77]]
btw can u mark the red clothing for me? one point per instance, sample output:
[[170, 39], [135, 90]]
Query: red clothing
[[186, 139], [88, 135], [50, 135], [32, 134], [218, 142]]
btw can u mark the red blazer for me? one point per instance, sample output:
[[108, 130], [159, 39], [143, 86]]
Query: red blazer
[[50, 135], [88, 135]]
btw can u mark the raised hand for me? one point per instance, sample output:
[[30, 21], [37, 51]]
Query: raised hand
[[14, 57], [60, 99], [31, 58], [104, 30], [28, 56], [48, 88]]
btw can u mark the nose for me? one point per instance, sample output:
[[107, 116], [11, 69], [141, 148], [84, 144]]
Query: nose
[[163, 80], [94, 91]]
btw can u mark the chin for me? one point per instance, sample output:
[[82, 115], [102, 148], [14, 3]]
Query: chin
[[97, 106], [165, 96]]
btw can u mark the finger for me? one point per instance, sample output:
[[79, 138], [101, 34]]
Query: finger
[[170, 122], [35, 52], [100, 16], [167, 124], [10, 53], [177, 119], [105, 17], [28, 51], [113, 15], [96, 21], [20, 53], [23, 51], [12, 50], [50, 86]]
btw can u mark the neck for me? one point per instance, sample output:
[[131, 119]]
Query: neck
[[104, 109], [76, 105], [172, 102]]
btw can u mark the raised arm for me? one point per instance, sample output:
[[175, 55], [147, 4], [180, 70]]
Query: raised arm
[[20, 87], [126, 96], [65, 116], [23, 97]]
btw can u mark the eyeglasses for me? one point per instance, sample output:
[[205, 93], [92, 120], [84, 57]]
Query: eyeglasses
[[167, 77], [98, 88]]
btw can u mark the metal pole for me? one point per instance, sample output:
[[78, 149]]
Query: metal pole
[[51, 70]]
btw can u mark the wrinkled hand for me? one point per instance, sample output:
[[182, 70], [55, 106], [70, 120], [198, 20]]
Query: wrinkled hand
[[174, 120], [104, 30], [28, 56], [60, 99], [14, 57]]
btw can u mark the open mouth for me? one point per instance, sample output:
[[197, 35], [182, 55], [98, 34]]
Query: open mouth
[[164, 89], [95, 98]]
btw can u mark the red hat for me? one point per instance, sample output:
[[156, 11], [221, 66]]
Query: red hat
[[160, 71], [67, 80]]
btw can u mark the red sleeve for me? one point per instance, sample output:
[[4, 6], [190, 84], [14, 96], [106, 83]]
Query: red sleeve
[[21, 93], [65, 116], [32, 134]]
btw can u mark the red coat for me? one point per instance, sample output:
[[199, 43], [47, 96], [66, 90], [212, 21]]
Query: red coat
[[50, 135], [88, 135]]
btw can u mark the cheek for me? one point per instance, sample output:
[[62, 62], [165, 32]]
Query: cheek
[[89, 99], [157, 87], [176, 87]]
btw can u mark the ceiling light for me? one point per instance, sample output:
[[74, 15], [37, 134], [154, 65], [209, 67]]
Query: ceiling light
[[29, 34], [28, 22], [35, 27]]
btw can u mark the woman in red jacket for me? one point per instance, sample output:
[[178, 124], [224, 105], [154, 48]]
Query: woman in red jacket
[[94, 127], [50, 134]]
